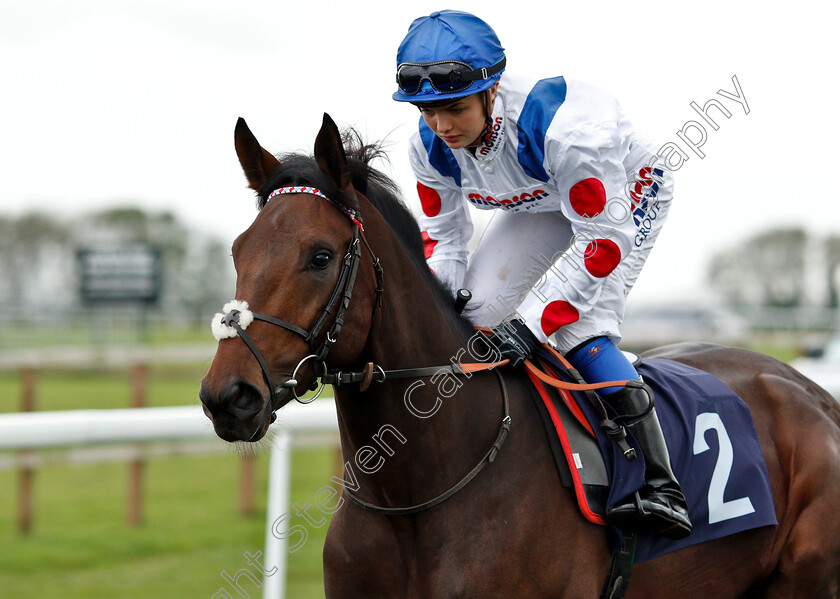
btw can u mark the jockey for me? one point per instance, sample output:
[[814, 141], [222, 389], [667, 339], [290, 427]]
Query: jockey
[[578, 198]]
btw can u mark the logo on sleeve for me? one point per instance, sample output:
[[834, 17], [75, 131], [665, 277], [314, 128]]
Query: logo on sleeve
[[642, 193], [515, 203]]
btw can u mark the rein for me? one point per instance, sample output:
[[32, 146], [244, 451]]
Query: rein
[[374, 373], [488, 458]]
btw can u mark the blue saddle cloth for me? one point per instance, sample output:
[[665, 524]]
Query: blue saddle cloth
[[714, 452]]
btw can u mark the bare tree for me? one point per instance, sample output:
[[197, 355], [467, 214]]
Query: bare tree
[[768, 269], [38, 260]]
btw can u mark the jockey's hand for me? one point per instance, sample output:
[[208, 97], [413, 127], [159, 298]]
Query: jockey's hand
[[515, 341]]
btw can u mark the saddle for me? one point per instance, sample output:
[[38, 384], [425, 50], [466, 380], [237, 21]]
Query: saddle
[[710, 435]]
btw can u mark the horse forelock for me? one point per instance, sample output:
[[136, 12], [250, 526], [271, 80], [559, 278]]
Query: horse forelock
[[380, 190]]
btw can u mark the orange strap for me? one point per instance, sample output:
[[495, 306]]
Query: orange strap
[[546, 378], [554, 382], [479, 366]]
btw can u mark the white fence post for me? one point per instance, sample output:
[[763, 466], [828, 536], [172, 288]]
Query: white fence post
[[279, 488]]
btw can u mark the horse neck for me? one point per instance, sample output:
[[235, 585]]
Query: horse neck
[[412, 327], [426, 427]]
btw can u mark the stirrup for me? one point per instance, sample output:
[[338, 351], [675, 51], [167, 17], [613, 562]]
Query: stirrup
[[663, 518]]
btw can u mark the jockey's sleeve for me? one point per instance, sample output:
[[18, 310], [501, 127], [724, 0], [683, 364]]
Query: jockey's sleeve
[[445, 224], [587, 168]]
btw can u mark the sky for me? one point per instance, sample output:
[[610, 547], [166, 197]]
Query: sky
[[134, 103]]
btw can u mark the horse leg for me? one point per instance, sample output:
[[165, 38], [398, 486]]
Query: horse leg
[[809, 561], [362, 558]]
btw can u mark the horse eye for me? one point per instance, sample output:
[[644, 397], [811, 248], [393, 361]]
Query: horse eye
[[321, 260]]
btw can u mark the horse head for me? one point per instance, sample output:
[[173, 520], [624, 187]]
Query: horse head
[[297, 266]]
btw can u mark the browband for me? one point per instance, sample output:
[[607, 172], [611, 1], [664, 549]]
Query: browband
[[351, 214]]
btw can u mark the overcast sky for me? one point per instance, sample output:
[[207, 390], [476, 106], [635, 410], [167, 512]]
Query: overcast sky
[[134, 103]]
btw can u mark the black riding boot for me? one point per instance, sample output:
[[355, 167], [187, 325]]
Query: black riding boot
[[660, 504]]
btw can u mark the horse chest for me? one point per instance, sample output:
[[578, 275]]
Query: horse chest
[[484, 554]]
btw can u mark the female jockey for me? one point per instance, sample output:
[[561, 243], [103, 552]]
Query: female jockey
[[579, 199]]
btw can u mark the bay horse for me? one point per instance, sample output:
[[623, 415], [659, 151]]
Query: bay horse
[[512, 530]]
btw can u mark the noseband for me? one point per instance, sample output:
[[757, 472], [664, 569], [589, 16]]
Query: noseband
[[236, 316]]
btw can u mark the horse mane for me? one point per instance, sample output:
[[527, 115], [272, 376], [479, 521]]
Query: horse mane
[[382, 191]]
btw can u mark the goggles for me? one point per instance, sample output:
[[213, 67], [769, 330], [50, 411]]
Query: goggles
[[446, 76]]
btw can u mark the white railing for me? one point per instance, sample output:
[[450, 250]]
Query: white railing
[[49, 430]]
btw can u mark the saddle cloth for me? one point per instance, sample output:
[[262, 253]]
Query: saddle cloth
[[712, 442]]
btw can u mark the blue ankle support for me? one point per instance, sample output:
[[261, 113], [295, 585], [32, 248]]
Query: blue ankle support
[[599, 360]]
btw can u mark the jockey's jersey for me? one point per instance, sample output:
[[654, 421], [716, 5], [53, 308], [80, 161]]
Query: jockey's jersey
[[555, 145]]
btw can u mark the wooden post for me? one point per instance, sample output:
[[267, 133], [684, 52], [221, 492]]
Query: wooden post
[[247, 482], [134, 498], [26, 474]]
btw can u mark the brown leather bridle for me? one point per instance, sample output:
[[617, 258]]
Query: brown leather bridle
[[335, 308]]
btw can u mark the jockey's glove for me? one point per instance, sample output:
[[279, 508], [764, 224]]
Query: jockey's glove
[[515, 341]]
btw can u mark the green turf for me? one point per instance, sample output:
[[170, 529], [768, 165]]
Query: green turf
[[80, 546], [101, 389]]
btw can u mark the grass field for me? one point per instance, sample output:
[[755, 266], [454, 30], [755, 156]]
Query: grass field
[[80, 546]]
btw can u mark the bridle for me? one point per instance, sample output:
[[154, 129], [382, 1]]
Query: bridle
[[236, 316]]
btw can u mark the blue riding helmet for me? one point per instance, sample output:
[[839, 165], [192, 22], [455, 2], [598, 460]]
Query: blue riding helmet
[[447, 55]]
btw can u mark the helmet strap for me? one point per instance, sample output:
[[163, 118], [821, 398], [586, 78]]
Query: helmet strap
[[488, 121]]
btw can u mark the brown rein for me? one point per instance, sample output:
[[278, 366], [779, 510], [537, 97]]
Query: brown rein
[[488, 457], [368, 375]]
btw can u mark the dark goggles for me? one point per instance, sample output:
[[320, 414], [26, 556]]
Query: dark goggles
[[445, 76]]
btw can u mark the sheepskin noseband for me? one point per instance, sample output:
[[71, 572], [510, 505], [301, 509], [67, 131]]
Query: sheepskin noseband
[[234, 311]]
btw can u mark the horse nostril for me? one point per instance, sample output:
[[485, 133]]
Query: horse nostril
[[242, 400], [238, 399], [206, 399]]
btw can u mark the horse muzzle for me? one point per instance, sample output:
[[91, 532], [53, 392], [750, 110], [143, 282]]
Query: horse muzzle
[[239, 410]]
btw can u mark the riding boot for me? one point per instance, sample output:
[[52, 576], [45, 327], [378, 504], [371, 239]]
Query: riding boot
[[660, 505]]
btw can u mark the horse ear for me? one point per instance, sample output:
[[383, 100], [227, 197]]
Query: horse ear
[[331, 158], [257, 162]]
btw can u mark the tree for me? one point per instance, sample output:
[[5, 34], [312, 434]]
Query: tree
[[768, 269], [833, 270], [38, 260], [32, 261]]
